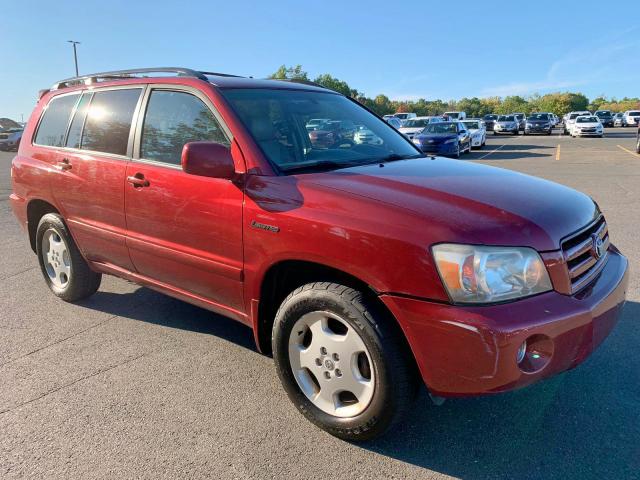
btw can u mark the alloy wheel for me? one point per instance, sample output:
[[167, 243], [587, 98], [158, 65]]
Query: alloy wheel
[[57, 261], [331, 364]]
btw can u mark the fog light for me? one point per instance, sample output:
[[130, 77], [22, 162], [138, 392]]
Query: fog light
[[521, 351]]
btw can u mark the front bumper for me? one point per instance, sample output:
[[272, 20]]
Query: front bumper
[[439, 148], [579, 133], [538, 129], [471, 350]]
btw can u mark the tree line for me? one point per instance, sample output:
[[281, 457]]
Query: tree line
[[558, 103]]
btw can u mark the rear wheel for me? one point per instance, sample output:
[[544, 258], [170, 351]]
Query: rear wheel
[[67, 274], [341, 362]]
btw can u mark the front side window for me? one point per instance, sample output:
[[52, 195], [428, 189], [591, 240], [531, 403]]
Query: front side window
[[172, 120], [108, 121], [54, 123], [277, 119]]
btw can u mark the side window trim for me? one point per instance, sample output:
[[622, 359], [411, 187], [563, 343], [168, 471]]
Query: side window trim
[[144, 104], [73, 114]]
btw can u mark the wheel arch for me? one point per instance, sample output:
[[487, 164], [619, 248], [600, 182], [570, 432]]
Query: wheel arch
[[285, 276], [36, 209]]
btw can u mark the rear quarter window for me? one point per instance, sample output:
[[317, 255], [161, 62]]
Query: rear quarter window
[[55, 119]]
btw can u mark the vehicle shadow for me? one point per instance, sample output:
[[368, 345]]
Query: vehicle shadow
[[146, 305], [581, 424]]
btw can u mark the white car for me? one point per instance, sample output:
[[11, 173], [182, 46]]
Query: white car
[[405, 116], [478, 132], [393, 121], [587, 126], [631, 118], [364, 136], [413, 126], [453, 116], [570, 119], [315, 123]]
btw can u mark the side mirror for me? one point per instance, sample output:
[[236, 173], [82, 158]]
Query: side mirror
[[208, 159]]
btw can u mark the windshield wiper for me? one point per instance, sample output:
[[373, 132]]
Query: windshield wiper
[[395, 156], [323, 165]]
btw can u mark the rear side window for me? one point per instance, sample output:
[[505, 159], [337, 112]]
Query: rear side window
[[55, 121], [173, 119], [73, 139], [108, 121]]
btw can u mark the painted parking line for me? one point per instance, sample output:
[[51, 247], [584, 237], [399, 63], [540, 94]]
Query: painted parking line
[[492, 151], [558, 152], [628, 151]]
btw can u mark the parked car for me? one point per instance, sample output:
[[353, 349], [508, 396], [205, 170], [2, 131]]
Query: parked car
[[454, 116], [415, 125], [477, 132], [605, 117], [617, 119], [489, 120], [570, 119], [506, 124], [316, 123], [587, 126], [403, 117], [554, 119], [333, 133], [631, 118], [450, 139], [364, 136], [394, 122], [10, 140], [521, 118], [538, 123], [362, 281]]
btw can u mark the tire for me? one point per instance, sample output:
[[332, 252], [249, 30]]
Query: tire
[[64, 269], [515, 132], [495, 133], [390, 367], [638, 145], [458, 152]]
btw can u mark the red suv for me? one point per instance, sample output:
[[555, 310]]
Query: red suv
[[362, 268]]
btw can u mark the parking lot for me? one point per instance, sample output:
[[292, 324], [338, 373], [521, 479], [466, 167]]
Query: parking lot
[[131, 383]]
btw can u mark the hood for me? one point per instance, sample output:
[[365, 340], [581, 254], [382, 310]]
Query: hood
[[468, 203], [437, 136]]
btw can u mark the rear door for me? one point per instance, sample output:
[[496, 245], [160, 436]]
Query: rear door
[[89, 183], [184, 231]]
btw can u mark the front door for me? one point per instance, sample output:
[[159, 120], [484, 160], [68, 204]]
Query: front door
[[184, 231]]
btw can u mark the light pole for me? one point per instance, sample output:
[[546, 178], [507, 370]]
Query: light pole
[[75, 53]]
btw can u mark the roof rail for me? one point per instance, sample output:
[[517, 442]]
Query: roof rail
[[120, 74], [300, 80]]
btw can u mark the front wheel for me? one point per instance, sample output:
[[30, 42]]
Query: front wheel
[[67, 274], [638, 145], [341, 361]]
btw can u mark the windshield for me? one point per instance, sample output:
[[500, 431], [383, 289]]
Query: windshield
[[472, 125], [443, 127], [416, 123], [506, 118], [587, 119], [277, 119], [574, 115], [490, 117], [452, 114], [401, 116], [519, 116], [538, 116], [603, 113], [634, 114]]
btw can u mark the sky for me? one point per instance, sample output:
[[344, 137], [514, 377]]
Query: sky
[[444, 49]]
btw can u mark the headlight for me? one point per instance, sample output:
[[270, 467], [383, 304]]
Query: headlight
[[416, 140], [451, 140], [478, 274], [529, 125]]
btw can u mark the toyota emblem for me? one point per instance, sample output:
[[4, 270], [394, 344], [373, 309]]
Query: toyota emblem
[[598, 245]]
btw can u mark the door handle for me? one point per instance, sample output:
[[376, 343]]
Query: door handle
[[64, 165], [138, 180]]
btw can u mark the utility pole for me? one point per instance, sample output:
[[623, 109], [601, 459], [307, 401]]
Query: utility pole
[[75, 53]]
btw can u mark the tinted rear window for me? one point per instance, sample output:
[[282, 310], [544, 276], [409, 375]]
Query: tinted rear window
[[53, 126], [109, 121]]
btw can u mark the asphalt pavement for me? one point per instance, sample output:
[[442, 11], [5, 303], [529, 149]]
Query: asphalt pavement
[[134, 384]]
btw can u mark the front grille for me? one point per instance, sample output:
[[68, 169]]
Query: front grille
[[583, 260]]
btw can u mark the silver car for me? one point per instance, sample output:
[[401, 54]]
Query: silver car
[[506, 124]]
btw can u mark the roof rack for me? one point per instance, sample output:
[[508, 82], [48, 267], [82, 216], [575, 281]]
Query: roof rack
[[299, 80], [142, 72]]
